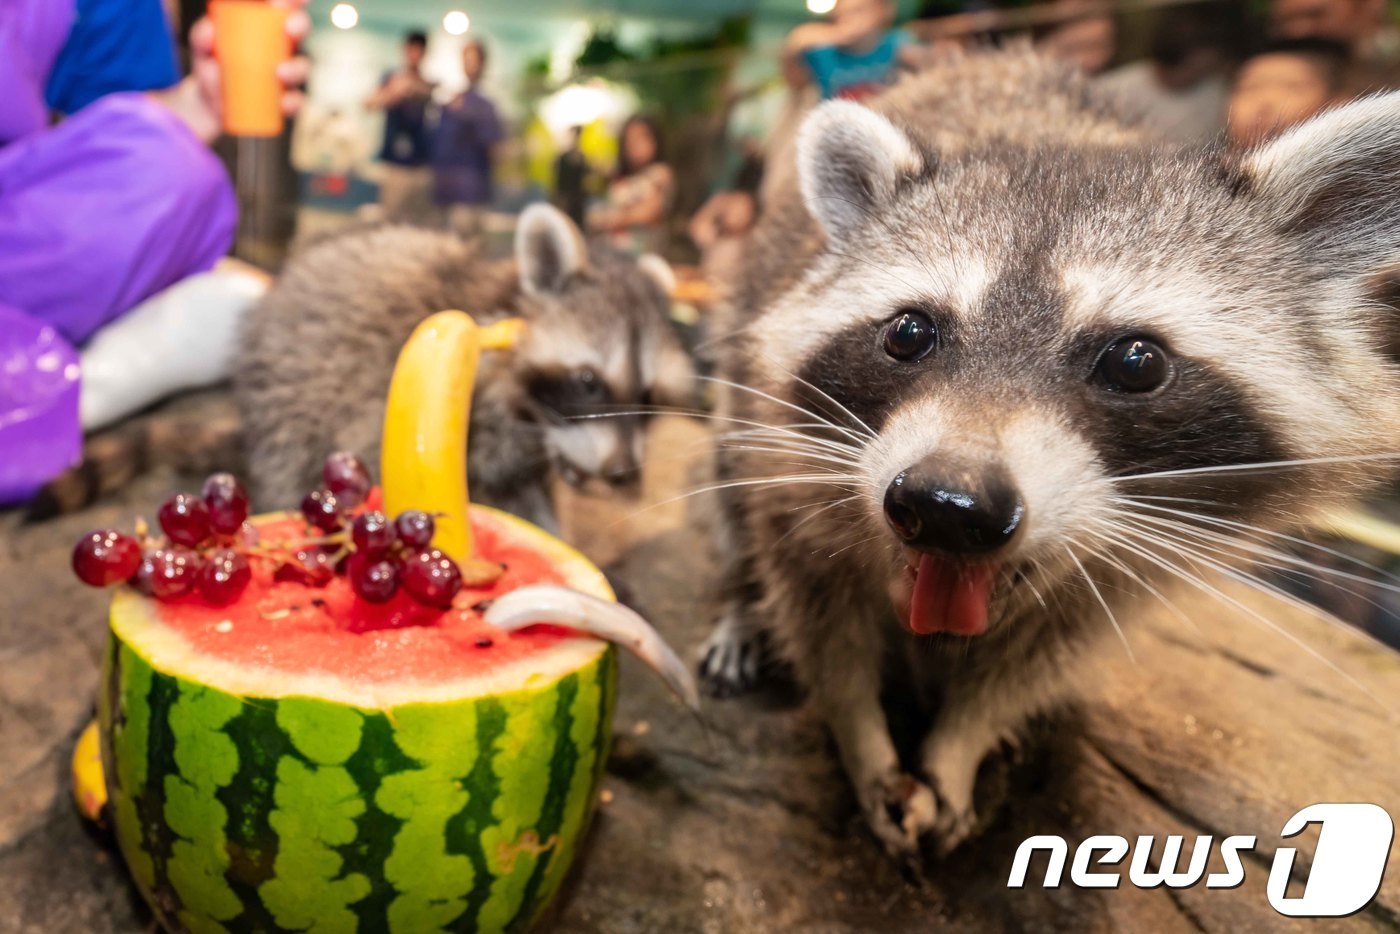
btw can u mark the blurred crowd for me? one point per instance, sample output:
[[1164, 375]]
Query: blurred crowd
[[124, 132], [1204, 73]]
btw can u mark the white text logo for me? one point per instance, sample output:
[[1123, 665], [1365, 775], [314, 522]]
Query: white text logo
[[1345, 875]]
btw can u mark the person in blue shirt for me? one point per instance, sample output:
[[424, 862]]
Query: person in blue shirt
[[404, 95], [851, 55], [464, 147]]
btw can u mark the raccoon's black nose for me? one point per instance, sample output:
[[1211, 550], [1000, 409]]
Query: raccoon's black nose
[[967, 517]]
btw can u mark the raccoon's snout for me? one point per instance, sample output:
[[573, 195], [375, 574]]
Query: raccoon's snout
[[971, 516], [621, 470]]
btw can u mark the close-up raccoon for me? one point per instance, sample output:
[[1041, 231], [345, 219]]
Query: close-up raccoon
[[1005, 366], [317, 353]]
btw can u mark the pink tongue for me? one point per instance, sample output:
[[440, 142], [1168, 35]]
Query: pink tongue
[[950, 598]]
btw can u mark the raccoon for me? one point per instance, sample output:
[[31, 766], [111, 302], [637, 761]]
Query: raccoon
[[1006, 365], [316, 356]]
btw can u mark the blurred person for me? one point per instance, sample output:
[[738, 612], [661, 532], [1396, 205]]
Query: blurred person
[[1086, 36], [464, 147], [1364, 27], [638, 198], [852, 55], [1283, 85], [1182, 87], [404, 95], [723, 222], [571, 173], [104, 217]]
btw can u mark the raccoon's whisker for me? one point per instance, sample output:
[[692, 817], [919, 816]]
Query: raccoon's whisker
[[810, 455], [758, 428], [855, 544], [815, 416], [1122, 637], [1146, 585], [831, 478], [1267, 465], [1200, 583], [1296, 540], [1027, 580], [1291, 565], [793, 440], [770, 436], [840, 406], [818, 509]]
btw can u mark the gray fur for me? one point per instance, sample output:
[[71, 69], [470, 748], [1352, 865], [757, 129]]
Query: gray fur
[[1035, 224], [318, 352]]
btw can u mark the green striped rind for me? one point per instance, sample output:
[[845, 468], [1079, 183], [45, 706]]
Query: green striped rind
[[304, 814], [256, 814]]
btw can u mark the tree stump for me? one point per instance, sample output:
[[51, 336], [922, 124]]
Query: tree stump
[[745, 823]]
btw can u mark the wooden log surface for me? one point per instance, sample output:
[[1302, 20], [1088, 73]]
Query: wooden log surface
[[746, 824]]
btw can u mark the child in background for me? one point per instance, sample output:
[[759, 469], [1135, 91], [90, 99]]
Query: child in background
[[1283, 85], [637, 204], [852, 55], [723, 222]]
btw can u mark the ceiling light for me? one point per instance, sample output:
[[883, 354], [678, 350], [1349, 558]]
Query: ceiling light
[[344, 16], [456, 23]]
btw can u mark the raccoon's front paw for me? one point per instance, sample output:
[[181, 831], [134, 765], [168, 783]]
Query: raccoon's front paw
[[952, 827], [901, 810], [733, 657], [953, 775]]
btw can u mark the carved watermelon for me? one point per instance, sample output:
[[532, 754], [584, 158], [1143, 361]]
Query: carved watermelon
[[304, 761]]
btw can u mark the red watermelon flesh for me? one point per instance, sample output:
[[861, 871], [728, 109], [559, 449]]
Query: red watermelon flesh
[[304, 760], [295, 629]]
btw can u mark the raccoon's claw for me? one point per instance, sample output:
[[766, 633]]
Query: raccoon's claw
[[732, 659], [901, 810], [951, 828]]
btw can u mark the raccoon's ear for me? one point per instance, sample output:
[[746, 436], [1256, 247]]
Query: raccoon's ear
[[850, 161], [659, 272], [1334, 181], [549, 250]]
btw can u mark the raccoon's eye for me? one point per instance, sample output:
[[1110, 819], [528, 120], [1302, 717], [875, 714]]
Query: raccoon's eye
[[910, 336], [588, 386], [1133, 364]]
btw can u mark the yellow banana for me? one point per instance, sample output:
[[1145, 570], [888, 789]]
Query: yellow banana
[[89, 785], [423, 464]]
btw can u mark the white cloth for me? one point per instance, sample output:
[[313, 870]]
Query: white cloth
[[178, 339]]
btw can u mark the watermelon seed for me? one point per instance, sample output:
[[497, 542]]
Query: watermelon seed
[[482, 606], [224, 625], [318, 603], [484, 642], [276, 614]]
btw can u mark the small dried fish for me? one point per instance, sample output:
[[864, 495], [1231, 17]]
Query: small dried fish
[[560, 606]]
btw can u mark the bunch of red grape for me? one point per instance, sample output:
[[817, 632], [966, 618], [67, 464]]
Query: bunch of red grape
[[199, 552], [207, 545]]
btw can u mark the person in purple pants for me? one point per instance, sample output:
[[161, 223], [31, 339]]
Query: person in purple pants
[[116, 201]]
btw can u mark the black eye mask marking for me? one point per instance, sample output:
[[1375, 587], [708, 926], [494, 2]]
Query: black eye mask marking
[[1193, 416], [569, 393]]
